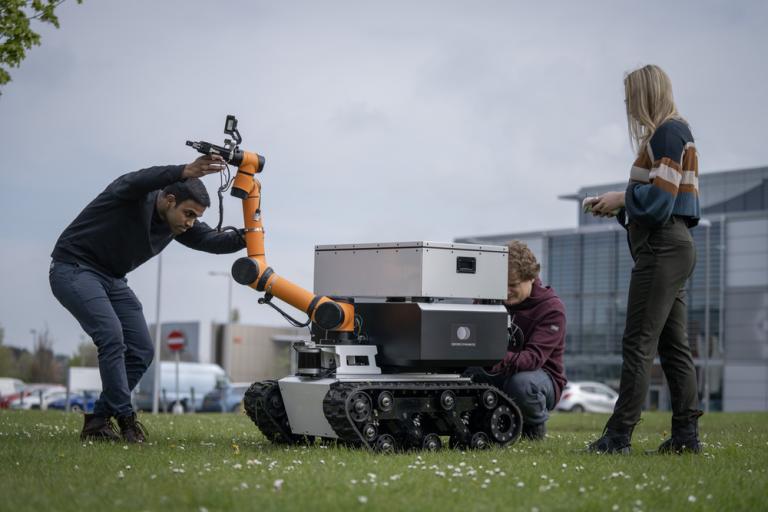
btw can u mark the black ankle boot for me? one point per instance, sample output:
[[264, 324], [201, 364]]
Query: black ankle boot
[[612, 442], [131, 429], [98, 428], [685, 437]]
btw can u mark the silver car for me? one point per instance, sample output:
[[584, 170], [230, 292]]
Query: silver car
[[587, 397]]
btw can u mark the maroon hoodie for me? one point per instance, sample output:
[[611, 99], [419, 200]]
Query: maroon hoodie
[[541, 317]]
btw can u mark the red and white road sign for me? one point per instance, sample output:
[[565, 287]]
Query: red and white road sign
[[176, 340]]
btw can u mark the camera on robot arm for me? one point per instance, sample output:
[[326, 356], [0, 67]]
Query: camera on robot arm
[[230, 151], [232, 154]]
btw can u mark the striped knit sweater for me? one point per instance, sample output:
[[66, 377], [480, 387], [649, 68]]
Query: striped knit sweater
[[664, 180]]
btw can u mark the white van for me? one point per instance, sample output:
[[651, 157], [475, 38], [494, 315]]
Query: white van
[[195, 379], [9, 386]]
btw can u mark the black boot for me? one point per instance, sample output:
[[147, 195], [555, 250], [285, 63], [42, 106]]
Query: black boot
[[534, 432], [612, 442], [131, 429], [685, 437], [98, 428]]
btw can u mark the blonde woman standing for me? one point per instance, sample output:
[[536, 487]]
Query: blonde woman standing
[[659, 206]]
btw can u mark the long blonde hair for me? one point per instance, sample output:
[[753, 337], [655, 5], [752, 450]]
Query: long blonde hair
[[649, 100]]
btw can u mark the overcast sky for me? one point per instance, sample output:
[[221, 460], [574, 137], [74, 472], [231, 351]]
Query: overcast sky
[[380, 121]]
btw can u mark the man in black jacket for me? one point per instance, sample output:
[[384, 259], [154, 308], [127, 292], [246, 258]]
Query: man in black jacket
[[131, 221]]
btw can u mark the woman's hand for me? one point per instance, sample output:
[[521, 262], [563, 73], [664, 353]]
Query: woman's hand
[[608, 204]]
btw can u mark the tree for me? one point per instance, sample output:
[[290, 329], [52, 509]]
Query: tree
[[22, 362], [44, 367], [6, 357], [86, 355], [16, 34]]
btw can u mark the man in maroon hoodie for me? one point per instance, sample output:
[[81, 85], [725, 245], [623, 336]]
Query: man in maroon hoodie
[[532, 372]]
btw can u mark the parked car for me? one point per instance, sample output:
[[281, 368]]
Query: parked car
[[80, 402], [50, 393], [587, 397], [10, 389], [225, 398], [196, 379]]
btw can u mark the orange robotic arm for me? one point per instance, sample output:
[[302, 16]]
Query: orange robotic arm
[[254, 271]]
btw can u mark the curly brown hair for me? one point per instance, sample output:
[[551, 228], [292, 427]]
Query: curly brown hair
[[523, 265]]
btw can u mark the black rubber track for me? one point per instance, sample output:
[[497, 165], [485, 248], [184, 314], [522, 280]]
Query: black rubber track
[[467, 418], [270, 417]]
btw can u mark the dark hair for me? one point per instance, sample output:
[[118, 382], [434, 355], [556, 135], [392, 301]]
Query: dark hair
[[190, 188]]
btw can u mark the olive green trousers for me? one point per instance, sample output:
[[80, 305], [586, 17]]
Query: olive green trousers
[[657, 322]]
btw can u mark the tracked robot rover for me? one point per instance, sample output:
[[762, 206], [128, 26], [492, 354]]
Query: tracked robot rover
[[392, 327]]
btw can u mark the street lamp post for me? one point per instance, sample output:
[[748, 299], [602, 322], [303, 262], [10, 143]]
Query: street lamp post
[[228, 325], [158, 364], [33, 332]]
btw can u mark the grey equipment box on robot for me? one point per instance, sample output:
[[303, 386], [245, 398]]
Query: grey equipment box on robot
[[427, 336], [412, 269]]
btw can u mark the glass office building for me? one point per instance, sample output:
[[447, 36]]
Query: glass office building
[[589, 268]]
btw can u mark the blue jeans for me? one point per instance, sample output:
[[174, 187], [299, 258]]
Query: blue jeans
[[533, 392], [109, 312]]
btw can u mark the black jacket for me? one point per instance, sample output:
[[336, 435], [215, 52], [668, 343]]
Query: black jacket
[[121, 229]]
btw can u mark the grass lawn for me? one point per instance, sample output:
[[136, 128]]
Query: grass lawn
[[221, 462]]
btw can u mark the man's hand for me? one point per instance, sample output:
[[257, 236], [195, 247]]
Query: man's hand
[[206, 164], [608, 204]]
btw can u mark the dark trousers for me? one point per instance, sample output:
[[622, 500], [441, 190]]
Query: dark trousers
[[110, 313], [657, 321], [533, 392]]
